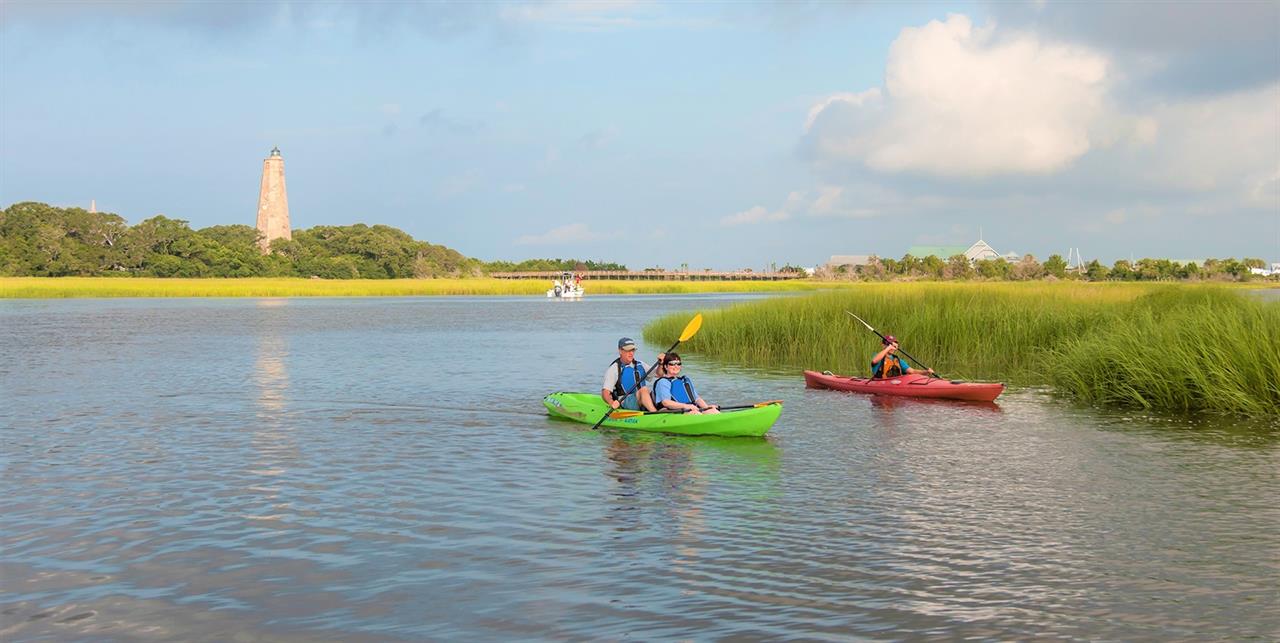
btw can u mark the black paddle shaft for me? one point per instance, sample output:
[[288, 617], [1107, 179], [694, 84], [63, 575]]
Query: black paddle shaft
[[886, 342]]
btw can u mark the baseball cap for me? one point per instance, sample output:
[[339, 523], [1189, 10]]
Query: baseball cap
[[626, 344]]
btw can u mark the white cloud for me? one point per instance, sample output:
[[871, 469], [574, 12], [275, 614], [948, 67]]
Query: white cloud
[[581, 15], [572, 233], [757, 214], [760, 214], [958, 101], [1228, 143]]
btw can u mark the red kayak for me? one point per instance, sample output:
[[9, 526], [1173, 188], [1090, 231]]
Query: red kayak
[[908, 386]]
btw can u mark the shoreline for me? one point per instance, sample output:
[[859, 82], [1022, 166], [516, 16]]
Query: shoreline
[[157, 287]]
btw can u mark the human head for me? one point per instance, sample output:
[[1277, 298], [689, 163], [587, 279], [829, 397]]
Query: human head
[[626, 350], [668, 365], [890, 339]]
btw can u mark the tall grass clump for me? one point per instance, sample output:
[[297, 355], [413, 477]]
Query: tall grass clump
[[1171, 347], [1186, 351]]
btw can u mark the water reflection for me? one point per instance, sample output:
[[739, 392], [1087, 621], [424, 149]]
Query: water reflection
[[272, 444], [907, 404]]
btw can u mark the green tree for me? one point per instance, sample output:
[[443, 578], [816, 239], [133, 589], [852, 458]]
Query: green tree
[[959, 267], [1122, 270], [993, 268], [1095, 271], [1055, 265]]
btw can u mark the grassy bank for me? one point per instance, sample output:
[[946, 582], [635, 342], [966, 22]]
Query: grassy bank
[[1165, 346], [64, 287]]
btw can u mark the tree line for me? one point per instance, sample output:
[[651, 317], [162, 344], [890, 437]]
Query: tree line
[[40, 240], [958, 267]]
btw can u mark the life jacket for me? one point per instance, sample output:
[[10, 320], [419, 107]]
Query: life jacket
[[891, 366], [630, 378], [681, 389]]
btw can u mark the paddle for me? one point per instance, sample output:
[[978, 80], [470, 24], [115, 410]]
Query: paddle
[[623, 414], [908, 355], [749, 406], [690, 330]]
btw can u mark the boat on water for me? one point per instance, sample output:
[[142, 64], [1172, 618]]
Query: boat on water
[[587, 408], [919, 386], [568, 286]]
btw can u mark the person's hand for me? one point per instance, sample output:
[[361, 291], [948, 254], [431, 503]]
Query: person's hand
[[614, 404], [893, 348], [693, 410], [929, 371], [662, 357]]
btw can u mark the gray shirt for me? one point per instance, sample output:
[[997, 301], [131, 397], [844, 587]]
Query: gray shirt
[[611, 376]]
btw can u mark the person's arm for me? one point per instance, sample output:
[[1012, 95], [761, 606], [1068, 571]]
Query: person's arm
[[697, 399], [881, 355], [913, 371], [606, 387]]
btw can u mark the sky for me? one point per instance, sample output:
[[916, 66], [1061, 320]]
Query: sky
[[717, 135]]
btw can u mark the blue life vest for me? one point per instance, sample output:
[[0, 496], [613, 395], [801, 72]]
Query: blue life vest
[[681, 389], [630, 380]]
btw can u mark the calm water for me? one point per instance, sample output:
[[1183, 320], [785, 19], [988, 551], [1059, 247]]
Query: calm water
[[382, 469]]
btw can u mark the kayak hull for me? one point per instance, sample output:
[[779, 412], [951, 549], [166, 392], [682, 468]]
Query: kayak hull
[[919, 386], [587, 408]]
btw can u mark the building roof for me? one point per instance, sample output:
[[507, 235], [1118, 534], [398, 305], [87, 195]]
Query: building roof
[[849, 260], [941, 252]]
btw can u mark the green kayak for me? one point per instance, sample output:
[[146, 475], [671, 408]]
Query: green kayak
[[587, 408]]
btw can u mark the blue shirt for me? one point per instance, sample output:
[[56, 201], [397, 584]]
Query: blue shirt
[[878, 367], [662, 391]]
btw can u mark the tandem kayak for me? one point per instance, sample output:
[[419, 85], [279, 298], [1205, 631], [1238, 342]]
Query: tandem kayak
[[588, 407], [908, 386]]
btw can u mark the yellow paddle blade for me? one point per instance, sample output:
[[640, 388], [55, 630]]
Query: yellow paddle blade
[[692, 328], [768, 403], [619, 415]]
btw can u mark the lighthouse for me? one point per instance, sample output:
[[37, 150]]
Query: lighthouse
[[273, 202]]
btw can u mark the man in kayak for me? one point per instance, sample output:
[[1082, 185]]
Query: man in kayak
[[888, 364], [675, 391], [624, 384]]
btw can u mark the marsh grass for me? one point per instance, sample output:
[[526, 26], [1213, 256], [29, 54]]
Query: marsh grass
[[1197, 351], [1145, 345], [65, 287]]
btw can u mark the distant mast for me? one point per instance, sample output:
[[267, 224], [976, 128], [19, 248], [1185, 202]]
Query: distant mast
[[273, 202]]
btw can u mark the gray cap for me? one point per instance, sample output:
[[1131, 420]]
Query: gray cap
[[626, 344]]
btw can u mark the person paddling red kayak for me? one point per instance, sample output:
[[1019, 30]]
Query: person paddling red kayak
[[887, 363], [891, 375]]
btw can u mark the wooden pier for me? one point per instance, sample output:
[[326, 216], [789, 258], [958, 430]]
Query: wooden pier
[[656, 275]]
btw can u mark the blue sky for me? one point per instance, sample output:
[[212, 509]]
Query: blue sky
[[721, 135]]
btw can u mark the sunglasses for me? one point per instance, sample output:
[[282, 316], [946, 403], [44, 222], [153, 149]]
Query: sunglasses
[[673, 363]]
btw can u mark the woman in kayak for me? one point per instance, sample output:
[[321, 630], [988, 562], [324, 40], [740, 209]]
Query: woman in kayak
[[625, 384], [887, 363], [675, 391]]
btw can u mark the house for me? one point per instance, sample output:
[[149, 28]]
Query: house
[[1267, 272], [974, 253], [852, 261]]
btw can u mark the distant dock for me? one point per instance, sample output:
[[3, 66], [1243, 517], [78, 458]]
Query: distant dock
[[657, 275]]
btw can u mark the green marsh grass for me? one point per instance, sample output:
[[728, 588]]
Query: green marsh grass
[[65, 287], [1091, 341]]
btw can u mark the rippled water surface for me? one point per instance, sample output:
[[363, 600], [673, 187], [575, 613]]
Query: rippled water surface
[[383, 469]]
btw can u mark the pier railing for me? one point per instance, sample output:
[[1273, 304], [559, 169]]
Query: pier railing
[[656, 275]]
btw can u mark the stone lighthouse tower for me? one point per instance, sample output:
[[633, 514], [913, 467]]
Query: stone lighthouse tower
[[273, 202]]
